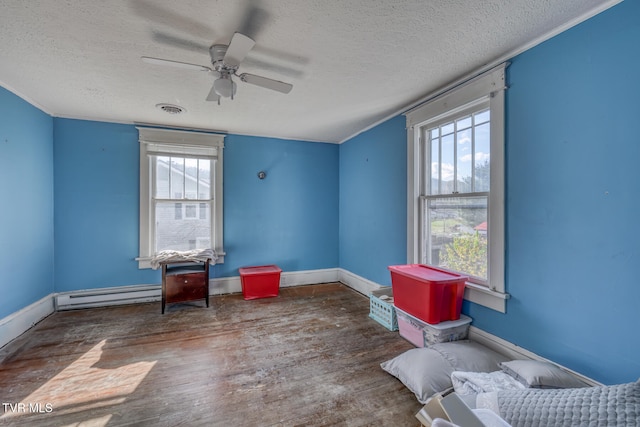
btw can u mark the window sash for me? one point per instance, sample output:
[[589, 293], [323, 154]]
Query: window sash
[[431, 251], [190, 226], [153, 165], [434, 154]]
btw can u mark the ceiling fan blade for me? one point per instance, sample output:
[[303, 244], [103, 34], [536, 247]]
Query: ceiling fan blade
[[170, 40], [285, 70], [177, 64], [238, 48], [213, 96], [266, 83], [253, 20], [151, 11]]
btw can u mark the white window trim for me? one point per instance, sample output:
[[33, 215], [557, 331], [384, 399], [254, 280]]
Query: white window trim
[[489, 85], [184, 139]]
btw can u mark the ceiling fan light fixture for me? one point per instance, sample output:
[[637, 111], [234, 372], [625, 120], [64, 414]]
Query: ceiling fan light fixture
[[225, 87]]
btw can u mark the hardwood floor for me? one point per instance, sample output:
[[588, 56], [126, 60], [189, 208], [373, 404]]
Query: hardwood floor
[[308, 357]]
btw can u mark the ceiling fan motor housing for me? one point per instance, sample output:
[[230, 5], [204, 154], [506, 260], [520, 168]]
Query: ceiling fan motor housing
[[217, 52]]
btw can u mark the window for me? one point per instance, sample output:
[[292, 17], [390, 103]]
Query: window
[[190, 212], [180, 192], [456, 185]]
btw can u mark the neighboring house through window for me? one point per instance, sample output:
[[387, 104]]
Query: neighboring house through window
[[180, 192], [456, 185]]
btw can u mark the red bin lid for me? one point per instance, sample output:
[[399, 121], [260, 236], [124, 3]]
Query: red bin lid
[[427, 272], [260, 269]]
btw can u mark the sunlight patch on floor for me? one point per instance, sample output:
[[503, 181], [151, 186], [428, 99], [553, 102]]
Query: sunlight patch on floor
[[94, 422], [82, 386]]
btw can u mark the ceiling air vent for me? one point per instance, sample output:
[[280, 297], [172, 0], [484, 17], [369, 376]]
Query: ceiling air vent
[[171, 109]]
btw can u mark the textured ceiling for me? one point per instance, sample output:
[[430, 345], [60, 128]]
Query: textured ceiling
[[353, 63]]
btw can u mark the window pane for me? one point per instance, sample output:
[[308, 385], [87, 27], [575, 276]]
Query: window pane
[[435, 167], [204, 174], [177, 177], [447, 129], [204, 211], [481, 117], [464, 163], [162, 177], [463, 123], [176, 233], [457, 234], [447, 165], [482, 157], [190, 178]]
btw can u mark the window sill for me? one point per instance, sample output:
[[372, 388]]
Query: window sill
[[145, 262], [486, 297]]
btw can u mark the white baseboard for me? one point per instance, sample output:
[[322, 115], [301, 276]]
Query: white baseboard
[[514, 351], [358, 283], [103, 297], [232, 285], [309, 277], [22, 320]]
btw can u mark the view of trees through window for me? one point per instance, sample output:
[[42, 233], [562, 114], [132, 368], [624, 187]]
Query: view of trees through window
[[454, 212]]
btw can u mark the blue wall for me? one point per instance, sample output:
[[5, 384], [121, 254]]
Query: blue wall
[[290, 218], [573, 197], [26, 215], [373, 201], [96, 206]]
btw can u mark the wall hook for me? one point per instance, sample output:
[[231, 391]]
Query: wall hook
[[262, 174]]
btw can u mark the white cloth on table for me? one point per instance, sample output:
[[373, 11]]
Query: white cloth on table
[[200, 255]]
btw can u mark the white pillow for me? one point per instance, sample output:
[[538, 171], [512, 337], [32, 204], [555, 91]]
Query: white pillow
[[426, 371], [422, 370], [470, 356], [541, 374]]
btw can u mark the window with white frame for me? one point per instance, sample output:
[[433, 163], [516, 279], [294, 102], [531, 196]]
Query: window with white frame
[[180, 192], [456, 185]]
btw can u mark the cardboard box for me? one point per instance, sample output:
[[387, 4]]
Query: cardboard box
[[448, 407]]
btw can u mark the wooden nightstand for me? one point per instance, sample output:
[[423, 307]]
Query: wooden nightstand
[[185, 281]]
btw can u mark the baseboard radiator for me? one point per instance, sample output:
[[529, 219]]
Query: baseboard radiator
[[107, 296]]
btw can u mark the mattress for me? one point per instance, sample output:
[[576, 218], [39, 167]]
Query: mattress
[[617, 405]]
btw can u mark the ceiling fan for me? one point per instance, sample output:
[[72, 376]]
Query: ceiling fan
[[225, 60]]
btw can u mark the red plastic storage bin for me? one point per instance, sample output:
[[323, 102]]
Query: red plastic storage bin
[[428, 293], [260, 282]]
